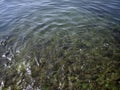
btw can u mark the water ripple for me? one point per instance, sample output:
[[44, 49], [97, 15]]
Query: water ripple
[[59, 43]]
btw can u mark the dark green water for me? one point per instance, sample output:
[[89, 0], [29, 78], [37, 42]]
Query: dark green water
[[59, 44]]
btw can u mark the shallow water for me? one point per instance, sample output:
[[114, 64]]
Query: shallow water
[[60, 45]]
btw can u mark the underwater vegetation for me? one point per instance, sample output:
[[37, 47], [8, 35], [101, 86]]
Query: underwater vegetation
[[85, 59]]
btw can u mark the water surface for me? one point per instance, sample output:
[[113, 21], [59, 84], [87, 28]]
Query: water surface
[[59, 44]]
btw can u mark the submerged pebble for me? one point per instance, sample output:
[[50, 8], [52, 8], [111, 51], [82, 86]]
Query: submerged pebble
[[17, 51], [106, 44], [3, 42], [28, 71], [80, 49], [1, 85], [3, 55], [37, 62], [9, 58]]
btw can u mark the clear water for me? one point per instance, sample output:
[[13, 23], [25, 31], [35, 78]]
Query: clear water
[[59, 44]]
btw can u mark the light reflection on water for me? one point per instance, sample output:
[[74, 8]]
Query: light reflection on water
[[59, 44]]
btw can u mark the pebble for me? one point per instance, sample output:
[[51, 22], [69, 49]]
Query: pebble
[[29, 87], [37, 61], [80, 49], [3, 42], [105, 44], [5, 65], [17, 51], [28, 71], [9, 58], [19, 82], [3, 55], [6, 54], [82, 67], [1, 85]]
